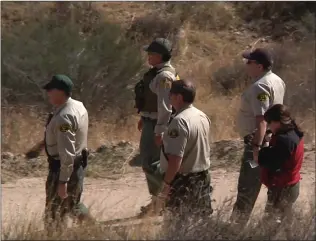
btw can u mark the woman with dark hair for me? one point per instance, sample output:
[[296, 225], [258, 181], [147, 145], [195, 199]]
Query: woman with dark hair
[[281, 162]]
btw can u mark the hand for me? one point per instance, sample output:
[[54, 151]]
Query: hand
[[62, 190], [140, 124], [162, 198], [165, 191], [158, 140]]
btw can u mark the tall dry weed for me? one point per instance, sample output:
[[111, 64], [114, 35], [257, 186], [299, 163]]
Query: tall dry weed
[[182, 227]]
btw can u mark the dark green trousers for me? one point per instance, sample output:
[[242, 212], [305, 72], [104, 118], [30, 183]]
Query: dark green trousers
[[191, 193], [55, 207], [150, 155], [249, 185]]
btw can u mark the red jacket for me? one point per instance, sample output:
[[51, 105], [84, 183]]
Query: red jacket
[[281, 162]]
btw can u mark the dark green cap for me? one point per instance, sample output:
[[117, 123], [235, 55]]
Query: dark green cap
[[160, 46], [60, 82]]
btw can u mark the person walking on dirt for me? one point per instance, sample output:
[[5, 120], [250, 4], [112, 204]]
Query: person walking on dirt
[[65, 145], [185, 155], [152, 102], [281, 162], [266, 90]]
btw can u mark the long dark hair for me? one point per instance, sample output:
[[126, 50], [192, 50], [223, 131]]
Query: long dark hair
[[280, 113]]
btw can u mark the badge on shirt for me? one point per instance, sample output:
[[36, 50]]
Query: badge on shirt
[[166, 83], [263, 97], [173, 133], [65, 127]]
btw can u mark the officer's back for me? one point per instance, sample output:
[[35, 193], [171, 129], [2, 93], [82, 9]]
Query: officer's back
[[188, 133], [185, 158], [197, 150]]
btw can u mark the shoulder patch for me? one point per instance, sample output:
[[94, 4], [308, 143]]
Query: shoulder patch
[[65, 127], [166, 83], [263, 97], [173, 133]]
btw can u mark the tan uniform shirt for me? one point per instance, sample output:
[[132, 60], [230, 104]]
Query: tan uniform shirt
[[160, 86], [188, 137], [257, 99], [66, 135]]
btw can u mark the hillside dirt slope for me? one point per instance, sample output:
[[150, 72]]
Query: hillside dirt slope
[[122, 198]]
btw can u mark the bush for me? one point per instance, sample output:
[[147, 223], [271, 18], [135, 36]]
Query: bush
[[280, 19], [99, 60], [203, 16], [151, 26]]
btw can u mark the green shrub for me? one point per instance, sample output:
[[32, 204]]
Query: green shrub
[[100, 61]]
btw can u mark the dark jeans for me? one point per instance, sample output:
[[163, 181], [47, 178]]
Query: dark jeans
[[55, 207], [280, 200], [249, 185], [150, 155], [191, 193]]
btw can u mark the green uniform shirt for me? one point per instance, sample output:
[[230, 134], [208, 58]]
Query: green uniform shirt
[[160, 85]]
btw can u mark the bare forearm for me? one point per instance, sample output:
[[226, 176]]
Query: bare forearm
[[174, 163], [162, 122], [261, 127]]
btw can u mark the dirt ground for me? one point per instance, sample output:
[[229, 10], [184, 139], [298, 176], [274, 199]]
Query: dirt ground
[[122, 198]]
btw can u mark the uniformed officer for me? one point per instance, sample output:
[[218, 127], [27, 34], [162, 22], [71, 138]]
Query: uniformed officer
[[266, 90], [185, 156], [152, 102], [65, 145]]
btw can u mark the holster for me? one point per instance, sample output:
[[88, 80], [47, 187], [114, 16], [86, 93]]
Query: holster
[[85, 154], [54, 164]]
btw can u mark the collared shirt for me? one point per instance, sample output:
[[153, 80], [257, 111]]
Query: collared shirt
[[188, 137], [158, 87], [257, 99], [66, 135]]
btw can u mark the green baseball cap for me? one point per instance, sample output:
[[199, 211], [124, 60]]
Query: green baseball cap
[[159, 46], [60, 82]]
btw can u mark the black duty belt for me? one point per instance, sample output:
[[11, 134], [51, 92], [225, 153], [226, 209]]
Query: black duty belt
[[148, 118], [81, 160], [192, 174], [54, 164]]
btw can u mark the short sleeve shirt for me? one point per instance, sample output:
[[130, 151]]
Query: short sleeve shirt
[[188, 136], [257, 99]]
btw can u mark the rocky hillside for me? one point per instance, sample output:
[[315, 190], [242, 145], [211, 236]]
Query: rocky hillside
[[98, 44]]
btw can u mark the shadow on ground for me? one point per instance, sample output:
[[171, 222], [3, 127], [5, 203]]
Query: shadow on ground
[[135, 161]]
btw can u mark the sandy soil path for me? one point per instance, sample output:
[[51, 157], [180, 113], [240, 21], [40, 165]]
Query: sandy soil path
[[122, 198]]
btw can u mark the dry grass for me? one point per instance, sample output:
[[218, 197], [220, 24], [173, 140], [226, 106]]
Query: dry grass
[[206, 51], [183, 227], [210, 58]]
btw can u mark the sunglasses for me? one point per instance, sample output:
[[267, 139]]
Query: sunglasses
[[251, 62]]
